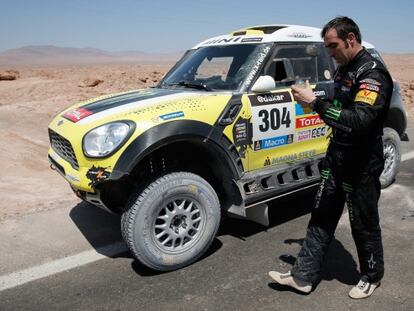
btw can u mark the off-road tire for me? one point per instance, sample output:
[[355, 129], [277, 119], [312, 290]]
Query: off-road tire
[[183, 206], [392, 154]]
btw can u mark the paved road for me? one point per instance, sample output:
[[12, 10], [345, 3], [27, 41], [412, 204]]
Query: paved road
[[233, 275]]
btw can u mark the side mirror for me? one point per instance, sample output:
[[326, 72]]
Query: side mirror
[[264, 84]]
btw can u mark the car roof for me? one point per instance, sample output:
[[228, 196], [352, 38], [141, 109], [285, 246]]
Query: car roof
[[269, 33]]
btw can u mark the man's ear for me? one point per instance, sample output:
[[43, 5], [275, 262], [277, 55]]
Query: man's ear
[[351, 39]]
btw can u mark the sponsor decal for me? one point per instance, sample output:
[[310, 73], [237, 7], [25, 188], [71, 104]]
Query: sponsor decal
[[291, 157], [72, 178], [366, 96], [308, 121], [272, 120], [300, 35], [241, 132], [172, 115], [97, 175], [327, 74], [267, 162], [273, 142], [319, 93], [223, 40], [257, 39], [268, 99], [256, 66], [371, 81], [77, 114], [311, 134], [370, 87]]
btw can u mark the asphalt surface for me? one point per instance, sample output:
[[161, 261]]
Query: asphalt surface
[[231, 276]]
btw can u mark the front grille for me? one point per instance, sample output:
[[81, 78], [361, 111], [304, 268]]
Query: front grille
[[63, 147]]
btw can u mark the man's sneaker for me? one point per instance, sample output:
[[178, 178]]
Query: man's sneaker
[[363, 289], [289, 280]]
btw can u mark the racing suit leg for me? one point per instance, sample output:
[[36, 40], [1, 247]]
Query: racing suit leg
[[363, 213], [326, 213]]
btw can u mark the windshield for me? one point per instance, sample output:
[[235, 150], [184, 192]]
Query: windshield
[[226, 68]]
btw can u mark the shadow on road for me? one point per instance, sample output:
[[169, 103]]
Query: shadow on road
[[101, 228], [280, 211]]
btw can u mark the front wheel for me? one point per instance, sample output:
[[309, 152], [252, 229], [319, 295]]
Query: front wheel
[[392, 154], [172, 222]]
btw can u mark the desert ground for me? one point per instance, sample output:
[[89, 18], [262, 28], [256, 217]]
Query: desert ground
[[30, 101]]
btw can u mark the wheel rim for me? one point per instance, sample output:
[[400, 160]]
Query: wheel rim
[[390, 157], [178, 225]]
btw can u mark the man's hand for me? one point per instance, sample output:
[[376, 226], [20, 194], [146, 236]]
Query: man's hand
[[304, 96]]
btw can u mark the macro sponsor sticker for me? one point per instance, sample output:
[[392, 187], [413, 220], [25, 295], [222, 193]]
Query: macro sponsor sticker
[[173, 115], [273, 142], [77, 114], [308, 121], [366, 96]]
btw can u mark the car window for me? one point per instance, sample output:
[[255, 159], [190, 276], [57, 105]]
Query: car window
[[304, 61], [229, 67], [209, 67]]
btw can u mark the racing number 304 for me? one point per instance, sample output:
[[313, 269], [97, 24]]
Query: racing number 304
[[273, 119]]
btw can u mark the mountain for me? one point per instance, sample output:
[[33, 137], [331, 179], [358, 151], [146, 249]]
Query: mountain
[[53, 55]]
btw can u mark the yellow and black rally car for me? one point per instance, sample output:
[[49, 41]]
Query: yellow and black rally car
[[220, 132]]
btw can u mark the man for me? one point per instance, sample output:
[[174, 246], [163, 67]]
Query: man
[[353, 164]]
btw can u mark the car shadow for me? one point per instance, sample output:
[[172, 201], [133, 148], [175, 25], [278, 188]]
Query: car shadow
[[102, 229]]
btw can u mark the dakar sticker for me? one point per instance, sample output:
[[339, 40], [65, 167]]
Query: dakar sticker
[[366, 96], [268, 99]]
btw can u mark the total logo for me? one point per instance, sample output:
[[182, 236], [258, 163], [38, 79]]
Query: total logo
[[308, 121]]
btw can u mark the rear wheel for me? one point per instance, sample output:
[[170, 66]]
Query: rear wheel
[[172, 222], [392, 154]]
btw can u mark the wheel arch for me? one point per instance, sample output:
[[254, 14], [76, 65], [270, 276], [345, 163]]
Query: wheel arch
[[184, 145]]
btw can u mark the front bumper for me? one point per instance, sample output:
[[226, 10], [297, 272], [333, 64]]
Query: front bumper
[[73, 177]]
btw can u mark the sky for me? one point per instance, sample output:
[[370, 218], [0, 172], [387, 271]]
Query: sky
[[177, 25]]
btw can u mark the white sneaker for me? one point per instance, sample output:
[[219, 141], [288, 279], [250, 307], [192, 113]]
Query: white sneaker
[[289, 280], [363, 289]]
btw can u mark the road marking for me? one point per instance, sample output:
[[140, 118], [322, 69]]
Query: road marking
[[31, 274], [407, 156], [35, 273]]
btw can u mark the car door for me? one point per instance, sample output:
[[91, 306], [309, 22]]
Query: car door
[[282, 132]]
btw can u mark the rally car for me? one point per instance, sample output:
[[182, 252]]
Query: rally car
[[220, 133]]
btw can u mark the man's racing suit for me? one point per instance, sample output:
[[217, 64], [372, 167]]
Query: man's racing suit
[[351, 169]]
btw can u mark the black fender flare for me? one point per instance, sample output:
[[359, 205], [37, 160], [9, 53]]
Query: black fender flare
[[165, 133]]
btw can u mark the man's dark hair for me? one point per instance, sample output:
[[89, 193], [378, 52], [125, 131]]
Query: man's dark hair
[[343, 26]]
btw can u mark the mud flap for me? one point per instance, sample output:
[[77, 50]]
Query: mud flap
[[258, 213]]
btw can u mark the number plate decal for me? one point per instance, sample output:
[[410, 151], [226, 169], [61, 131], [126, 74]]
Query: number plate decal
[[273, 120]]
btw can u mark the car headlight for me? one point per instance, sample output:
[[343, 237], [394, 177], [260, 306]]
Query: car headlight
[[106, 139]]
